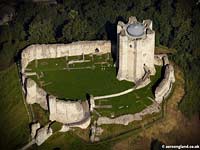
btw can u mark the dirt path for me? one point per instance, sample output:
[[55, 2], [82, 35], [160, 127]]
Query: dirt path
[[173, 129]]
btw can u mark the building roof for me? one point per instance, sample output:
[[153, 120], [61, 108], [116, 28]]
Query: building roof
[[135, 29]]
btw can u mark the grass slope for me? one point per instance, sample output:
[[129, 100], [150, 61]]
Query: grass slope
[[14, 120], [67, 141]]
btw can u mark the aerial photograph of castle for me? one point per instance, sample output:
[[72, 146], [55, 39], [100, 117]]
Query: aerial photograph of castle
[[99, 75]]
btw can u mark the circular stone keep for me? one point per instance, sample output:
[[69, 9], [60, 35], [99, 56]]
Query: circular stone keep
[[136, 29]]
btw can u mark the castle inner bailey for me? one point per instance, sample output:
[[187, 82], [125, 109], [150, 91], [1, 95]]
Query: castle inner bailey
[[136, 43]]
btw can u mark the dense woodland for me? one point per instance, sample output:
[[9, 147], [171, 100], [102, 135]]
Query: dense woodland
[[176, 22]]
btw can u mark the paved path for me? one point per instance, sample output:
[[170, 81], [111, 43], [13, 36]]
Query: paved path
[[103, 106], [114, 95]]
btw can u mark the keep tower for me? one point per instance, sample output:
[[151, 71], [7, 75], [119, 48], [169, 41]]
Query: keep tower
[[135, 54]]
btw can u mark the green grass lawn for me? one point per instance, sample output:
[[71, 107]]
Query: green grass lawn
[[76, 83], [132, 102], [66, 141], [14, 123], [47, 64]]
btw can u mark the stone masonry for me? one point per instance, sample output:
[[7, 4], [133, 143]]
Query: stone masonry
[[67, 112], [43, 134], [42, 51], [165, 86], [136, 42], [35, 94]]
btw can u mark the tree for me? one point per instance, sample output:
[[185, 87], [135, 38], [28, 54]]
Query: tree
[[5, 34], [7, 54], [77, 29], [41, 31]]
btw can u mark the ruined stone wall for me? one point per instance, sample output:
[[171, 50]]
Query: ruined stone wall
[[75, 114], [161, 60], [42, 51], [126, 119], [34, 94], [67, 112], [43, 134], [164, 88]]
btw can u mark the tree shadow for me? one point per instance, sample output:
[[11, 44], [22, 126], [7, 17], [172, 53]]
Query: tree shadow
[[111, 30], [68, 99]]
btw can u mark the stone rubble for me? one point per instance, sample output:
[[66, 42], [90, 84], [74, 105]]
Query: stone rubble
[[164, 87]]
